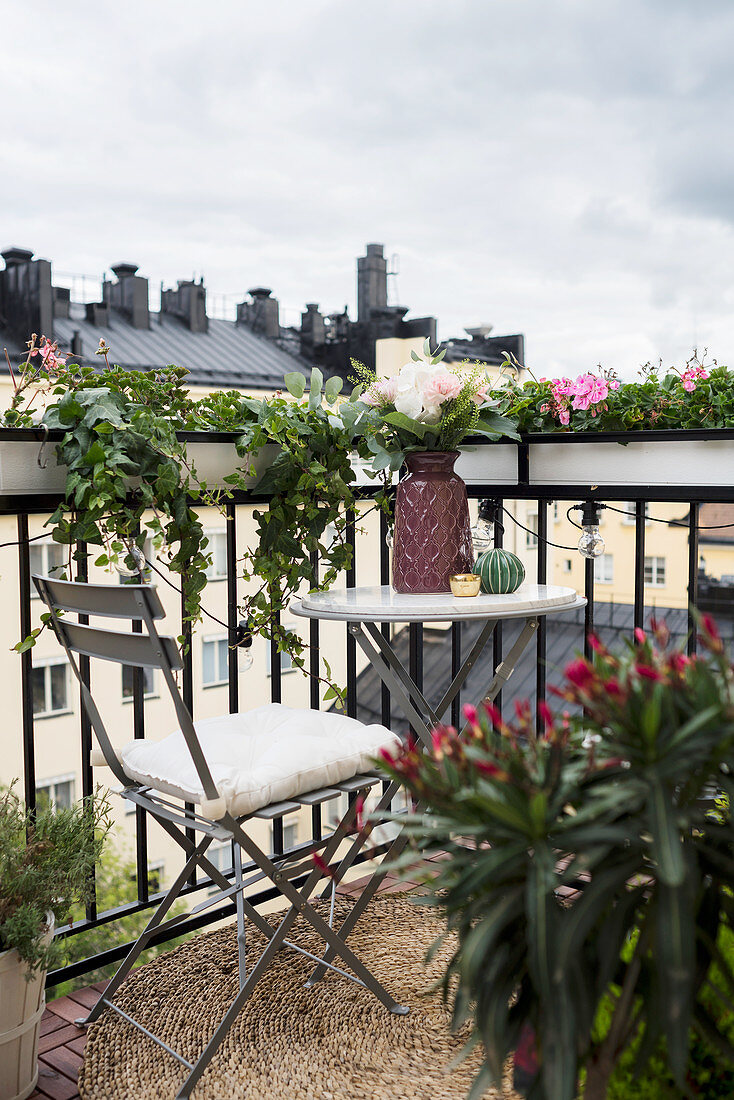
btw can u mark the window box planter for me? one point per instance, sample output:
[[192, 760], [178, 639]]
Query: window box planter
[[587, 460], [29, 467]]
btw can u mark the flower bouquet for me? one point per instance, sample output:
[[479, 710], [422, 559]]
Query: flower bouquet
[[426, 406], [422, 414]]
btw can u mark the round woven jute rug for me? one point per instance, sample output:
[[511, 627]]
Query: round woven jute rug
[[332, 1042]]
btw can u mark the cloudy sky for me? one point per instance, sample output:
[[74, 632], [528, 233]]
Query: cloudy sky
[[561, 168]]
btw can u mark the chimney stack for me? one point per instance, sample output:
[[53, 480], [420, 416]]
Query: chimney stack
[[262, 314], [313, 329], [129, 295], [188, 303], [26, 295], [371, 282]]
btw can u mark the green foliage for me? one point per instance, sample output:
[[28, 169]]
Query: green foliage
[[128, 477], [310, 485], [115, 884], [658, 400], [46, 865], [616, 803], [709, 1075], [389, 433]]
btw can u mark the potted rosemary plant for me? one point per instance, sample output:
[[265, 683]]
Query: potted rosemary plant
[[46, 865]]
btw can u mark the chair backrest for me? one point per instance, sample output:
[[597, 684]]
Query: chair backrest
[[137, 603]]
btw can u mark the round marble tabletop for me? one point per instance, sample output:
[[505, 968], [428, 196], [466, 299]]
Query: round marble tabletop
[[382, 604]]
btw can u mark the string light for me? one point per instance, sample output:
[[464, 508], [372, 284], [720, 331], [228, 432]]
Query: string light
[[591, 544]]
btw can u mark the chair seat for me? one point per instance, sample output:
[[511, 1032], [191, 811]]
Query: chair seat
[[259, 757]]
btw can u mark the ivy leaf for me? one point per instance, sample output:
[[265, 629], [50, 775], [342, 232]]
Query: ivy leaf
[[295, 383]]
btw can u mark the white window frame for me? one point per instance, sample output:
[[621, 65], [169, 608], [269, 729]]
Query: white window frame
[[531, 536], [556, 511], [54, 782], [217, 539], [288, 825], [151, 694], [51, 662], [600, 575], [44, 569], [630, 520], [567, 566], [210, 639], [658, 571], [286, 661]]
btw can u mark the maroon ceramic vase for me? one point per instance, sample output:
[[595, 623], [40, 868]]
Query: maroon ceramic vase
[[432, 536]]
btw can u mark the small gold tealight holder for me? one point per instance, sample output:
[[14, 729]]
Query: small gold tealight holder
[[465, 584]]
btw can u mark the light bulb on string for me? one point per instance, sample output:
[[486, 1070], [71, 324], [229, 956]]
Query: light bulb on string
[[482, 532], [591, 544], [138, 571], [243, 645]]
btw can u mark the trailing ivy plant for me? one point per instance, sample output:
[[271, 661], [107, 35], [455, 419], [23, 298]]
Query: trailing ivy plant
[[310, 491], [128, 477]]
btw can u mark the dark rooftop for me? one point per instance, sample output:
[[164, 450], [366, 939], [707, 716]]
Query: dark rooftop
[[613, 622]]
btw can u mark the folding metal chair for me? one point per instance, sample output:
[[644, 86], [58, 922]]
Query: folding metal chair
[[215, 817]]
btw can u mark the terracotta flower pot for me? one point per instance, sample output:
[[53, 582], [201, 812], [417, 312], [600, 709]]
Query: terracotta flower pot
[[432, 536]]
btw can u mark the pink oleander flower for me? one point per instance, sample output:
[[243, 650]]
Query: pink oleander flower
[[640, 636], [470, 713], [580, 673], [546, 715], [649, 673]]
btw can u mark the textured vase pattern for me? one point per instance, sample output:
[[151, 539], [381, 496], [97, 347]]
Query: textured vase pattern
[[432, 536]]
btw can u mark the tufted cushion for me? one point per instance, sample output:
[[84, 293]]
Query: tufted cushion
[[262, 756]]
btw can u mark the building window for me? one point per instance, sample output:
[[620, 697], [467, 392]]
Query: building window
[[221, 856], [531, 535], [604, 569], [50, 683], [556, 511], [290, 834], [217, 548], [629, 507], [56, 794], [215, 669], [48, 559], [655, 572], [286, 661], [128, 673], [155, 877], [567, 565]]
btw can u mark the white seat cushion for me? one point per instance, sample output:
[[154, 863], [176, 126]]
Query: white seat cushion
[[263, 756]]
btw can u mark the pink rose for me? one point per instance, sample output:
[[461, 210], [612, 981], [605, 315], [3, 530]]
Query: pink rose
[[481, 395], [440, 387]]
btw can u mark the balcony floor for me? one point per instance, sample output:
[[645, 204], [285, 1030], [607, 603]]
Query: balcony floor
[[61, 1043]]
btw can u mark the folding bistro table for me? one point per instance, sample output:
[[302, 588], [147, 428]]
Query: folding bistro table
[[365, 608]]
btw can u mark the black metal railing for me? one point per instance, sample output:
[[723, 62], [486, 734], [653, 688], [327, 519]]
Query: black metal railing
[[23, 506]]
